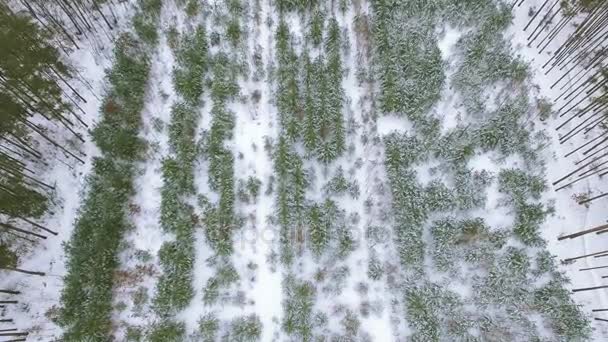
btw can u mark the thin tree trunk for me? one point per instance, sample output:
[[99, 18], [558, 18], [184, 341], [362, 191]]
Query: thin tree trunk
[[22, 271], [10, 292], [589, 288], [593, 198], [102, 15], [585, 256], [37, 130], [15, 334], [583, 232], [23, 231], [37, 225], [577, 170], [581, 178], [593, 268]]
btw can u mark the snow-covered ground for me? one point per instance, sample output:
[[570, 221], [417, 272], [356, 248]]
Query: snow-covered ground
[[261, 276]]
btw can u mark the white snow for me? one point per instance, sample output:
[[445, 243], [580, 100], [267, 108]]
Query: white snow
[[393, 123], [255, 122]]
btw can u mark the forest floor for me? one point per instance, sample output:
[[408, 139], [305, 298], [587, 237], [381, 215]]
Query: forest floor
[[345, 171]]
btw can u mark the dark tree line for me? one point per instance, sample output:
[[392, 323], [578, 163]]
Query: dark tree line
[[35, 93], [69, 21], [37, 98]]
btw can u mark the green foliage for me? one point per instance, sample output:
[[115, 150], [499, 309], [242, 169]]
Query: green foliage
[[167, 331], [375, 269], [402, 151], [545, 109], [151, 7], [245, 329], [493, 86], [409, 204], [545, 263], [208, 327], [174, 288], [117, 134], [233, 31], [293, 5], [181, 140], [288, 89], [219, 219], [249, 189], [253, 186], [298, 305], [406, 60], [316, 28], [528, 220], [456, 147], [504, 132], [8, 258], [574, 7], [567, 320], [486, 60], [507, 280], [22, 200], [467, 240], [32, 72], [351, 323], [140, 298], [133, 334], [92, 251], [225, 276], [421, 316], [326, 221], [291, 188], [465, 14], [145, 28], [470, 187], [436, 314], [439, 197], [146, 20], [192, 8], [519, 185], [172, 38], [323, 100], [339, 185], [191, 56], [319, 230]]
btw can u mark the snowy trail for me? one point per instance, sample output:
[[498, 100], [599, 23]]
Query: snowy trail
[[256, 122], [570, 217], [380, 323]]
